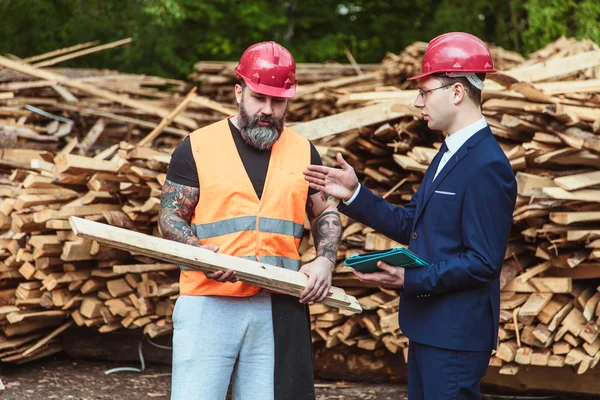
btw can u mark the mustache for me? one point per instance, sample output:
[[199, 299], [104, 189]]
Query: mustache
[[254, 121]]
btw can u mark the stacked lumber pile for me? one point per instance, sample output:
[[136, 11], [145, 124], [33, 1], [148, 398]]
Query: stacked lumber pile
[[42, 108], [51, 279]]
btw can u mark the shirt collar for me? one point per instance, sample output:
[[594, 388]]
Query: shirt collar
[[458, 138]]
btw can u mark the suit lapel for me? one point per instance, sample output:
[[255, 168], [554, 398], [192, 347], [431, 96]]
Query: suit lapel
[[459, 155]]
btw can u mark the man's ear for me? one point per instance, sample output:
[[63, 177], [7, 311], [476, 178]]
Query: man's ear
[[239, 92], [459, 93]]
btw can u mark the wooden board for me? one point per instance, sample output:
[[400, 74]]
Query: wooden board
[[582, 195], [252, 272], [536, 302], [579, 181], [556, 68], [342, 122]]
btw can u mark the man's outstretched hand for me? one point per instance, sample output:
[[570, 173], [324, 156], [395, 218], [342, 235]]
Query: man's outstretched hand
[[340, 183]]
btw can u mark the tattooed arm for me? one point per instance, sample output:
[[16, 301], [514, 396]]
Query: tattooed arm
[[177, 206], [326, 228]]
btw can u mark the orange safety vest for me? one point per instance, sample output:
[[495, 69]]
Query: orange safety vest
[[230, 215]]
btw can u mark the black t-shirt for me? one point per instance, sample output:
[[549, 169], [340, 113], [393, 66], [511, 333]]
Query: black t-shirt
[[183, 171]]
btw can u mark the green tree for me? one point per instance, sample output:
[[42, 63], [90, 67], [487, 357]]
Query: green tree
[[169, 36], [547, 20]]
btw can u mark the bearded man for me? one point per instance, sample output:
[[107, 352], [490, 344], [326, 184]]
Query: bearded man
[[237, 187]]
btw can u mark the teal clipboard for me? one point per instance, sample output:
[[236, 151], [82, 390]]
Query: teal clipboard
[[397, 257]]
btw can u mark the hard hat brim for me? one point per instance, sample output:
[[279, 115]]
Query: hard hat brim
[[270, 90], [412, 78]]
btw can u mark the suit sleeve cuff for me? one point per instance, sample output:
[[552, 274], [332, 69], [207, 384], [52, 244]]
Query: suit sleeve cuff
[[351, 199], [412, 280]]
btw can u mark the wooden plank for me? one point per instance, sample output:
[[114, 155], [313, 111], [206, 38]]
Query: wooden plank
[[589, 114], [568, 87], [213, 105], [80, 53], [345, 121], [91, 137], [80, 211], [121, 118], [590, 306], [577, 235], [535, 304], [580, 195], [507, 351], [513, 301], [578, 181], [572, 217], [31, 200], [15, 317], [409, 164], [168, 119], [581, 158], [574, 322], [559, 317], [74, 164], [531, 185], [402, 95], [545, 285], [552, 308], [531, 272], [582, 271], [556, 68], [49, 337], [59, 52], [579, 138], [102, 93], [252, 272]]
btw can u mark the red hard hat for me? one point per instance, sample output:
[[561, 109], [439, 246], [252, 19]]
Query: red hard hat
[[268, 68], [456, 52]]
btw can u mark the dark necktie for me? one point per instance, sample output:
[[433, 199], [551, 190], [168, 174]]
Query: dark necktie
[[434, 165]]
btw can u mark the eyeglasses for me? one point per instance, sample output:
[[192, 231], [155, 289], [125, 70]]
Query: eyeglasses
[[422, 93]]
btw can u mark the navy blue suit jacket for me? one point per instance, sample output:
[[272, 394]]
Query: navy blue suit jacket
[[460, 224]]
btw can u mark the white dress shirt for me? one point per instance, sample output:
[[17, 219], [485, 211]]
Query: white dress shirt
[[453, 142], [456, 140]]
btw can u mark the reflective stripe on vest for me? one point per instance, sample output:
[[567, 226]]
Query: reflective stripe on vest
[[240, 224]]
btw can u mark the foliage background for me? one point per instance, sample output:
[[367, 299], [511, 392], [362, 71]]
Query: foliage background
[[171, 35]]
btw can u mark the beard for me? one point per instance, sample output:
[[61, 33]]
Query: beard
[[257, 136]]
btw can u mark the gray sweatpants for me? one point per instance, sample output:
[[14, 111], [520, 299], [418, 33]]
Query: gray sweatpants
[[216, 339]]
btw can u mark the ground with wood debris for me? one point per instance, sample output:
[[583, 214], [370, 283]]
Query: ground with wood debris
[[63, 378]]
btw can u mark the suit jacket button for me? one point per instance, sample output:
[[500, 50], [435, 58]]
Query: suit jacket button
[[414, 236]]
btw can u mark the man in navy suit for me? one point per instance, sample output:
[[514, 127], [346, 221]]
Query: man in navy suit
[[458, 220]]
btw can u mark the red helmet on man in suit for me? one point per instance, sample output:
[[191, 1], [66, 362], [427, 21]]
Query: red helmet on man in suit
[[456, 54], [268, 68]]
